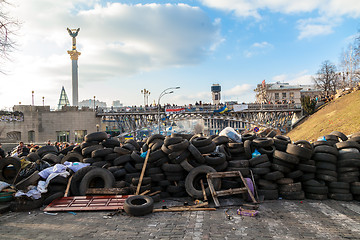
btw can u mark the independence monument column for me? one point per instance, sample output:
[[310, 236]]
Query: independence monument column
[[74, 55]]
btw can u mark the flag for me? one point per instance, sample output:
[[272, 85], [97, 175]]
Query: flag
[[222, 110], [263, 83]]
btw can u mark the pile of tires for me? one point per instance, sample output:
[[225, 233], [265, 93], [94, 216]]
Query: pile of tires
[[177, 165]]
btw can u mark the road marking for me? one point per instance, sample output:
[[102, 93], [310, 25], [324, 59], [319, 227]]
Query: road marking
[[352, 207], [337, 217], [305, 218]]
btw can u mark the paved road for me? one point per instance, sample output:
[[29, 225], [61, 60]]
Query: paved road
[[279, 219]]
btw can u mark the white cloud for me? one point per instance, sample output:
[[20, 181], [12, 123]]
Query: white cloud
[[294, 79], [280, 78], [262, 45], [238, 90], [331, 11], [205, 97], [316, 26], [250, 8], [116, 41], [258, 48]]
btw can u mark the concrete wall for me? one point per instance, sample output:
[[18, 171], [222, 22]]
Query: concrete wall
[[46, 123]]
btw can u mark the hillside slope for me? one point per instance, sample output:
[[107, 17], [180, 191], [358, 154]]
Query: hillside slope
[[342, 114]]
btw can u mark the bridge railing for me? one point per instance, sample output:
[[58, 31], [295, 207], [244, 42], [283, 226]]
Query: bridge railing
[[197, 108]]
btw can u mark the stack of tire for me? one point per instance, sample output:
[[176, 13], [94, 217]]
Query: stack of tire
[[264, 145], [266, 177], [177, 151], [203, 144], [299, 152], [222, 153], [325, 157], [347, 169], [261, 165], [268, 184], [355, 186], [238, 160]]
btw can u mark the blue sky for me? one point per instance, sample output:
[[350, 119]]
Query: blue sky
[[128, 45]]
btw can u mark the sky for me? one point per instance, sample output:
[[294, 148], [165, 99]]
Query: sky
[[130, 45]]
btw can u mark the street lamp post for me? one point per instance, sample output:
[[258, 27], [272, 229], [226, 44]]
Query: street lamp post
[[94, 103], [146, 96], [163, 93]]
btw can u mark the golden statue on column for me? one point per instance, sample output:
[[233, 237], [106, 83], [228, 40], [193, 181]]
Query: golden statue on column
[[74, 54]]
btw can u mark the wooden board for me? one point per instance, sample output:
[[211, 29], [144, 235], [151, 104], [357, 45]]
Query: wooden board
[[87, 203], [106, 191]]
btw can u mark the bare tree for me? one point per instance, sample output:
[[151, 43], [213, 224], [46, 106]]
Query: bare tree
[[8, 27], [327, 78], [357, 58], [350, 60]]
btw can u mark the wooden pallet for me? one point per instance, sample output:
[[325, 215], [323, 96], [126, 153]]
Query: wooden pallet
[[215, 194]]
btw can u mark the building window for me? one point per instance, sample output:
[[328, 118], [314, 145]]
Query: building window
[[276, 96], [31, 136], [291, 95], [79, 135], [62, 136], [283, 95]]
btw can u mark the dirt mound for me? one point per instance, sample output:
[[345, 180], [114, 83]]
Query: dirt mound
[[342, 114]]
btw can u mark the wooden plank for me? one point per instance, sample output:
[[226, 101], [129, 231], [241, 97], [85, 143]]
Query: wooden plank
[[183, 209], [106, 191], [212, 190], [142, 172], [247, 187], [154, 193], [66, 194], [203, 190], [145, 192], [223, 174], [231, 191]]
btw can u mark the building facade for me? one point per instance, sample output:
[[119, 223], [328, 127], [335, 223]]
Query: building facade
[[284, 93], [91, 103], [38, 124]]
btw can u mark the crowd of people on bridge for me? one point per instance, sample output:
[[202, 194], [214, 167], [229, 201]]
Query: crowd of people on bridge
[[24, 149]]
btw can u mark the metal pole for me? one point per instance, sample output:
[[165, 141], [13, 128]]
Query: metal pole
[[32, 97], [163, 93], [94, 103]]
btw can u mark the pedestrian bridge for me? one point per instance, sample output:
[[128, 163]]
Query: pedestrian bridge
[[244, 116]]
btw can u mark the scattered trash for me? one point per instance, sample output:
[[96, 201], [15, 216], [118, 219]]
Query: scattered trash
[[52, 214], [32, 192], [228, 216], [256, 153], [231, 133], [246, 212]]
